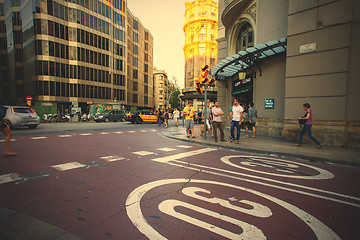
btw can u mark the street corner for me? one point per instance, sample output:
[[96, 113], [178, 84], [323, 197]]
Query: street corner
[[200, 209]]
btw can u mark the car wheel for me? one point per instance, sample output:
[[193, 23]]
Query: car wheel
[[107, 120], [123, 119], [33, 126], [139, 120]]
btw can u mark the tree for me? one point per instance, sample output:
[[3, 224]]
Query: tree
[[174, 92]]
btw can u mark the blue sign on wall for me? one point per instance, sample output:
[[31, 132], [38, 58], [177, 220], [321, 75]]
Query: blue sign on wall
[[269, 103]]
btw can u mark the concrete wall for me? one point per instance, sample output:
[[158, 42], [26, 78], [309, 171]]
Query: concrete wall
[[325, 77], [272, 17]]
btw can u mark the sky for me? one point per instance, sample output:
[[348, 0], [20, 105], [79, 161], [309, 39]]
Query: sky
[[165, 20]]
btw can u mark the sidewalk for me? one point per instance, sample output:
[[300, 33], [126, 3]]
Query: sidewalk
[[269, 145]]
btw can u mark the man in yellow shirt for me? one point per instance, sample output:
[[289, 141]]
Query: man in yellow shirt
[[189, 113]]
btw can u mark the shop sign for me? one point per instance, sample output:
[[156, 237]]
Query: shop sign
[[307, 48], [241, 82], [269, 103]]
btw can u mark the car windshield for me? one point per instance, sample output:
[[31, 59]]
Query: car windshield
[[22, 110]]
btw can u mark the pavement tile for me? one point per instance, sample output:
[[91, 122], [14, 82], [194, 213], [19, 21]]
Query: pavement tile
[[271, 145], [19, 226]]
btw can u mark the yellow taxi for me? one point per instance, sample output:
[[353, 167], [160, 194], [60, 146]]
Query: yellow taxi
[[143, 116]]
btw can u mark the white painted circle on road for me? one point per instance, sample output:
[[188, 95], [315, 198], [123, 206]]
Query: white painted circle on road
[[133, 208], [285, 166]]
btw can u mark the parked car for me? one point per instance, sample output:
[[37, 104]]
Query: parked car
[[114, 115], [22, 116], [143, 116]]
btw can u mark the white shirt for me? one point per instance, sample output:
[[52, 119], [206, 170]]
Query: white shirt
[[176, 114], [237, 110]]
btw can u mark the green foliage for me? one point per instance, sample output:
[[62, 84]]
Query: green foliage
[[42, 108], [133, 109]]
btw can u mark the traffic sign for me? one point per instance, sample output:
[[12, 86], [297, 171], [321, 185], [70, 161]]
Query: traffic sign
[[28, 98]]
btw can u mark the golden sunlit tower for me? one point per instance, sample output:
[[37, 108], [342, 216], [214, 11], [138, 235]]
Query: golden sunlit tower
[[201, 31]]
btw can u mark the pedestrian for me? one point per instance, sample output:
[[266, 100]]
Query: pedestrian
[[4, 128], [252, 115], [231, 114], [166, 118], [176, 115], [217, 121], [237, 114], [207, 119], [307, 127], [189, 113], [159, 117]]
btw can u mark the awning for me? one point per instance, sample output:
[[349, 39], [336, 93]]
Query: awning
[[247, 59]]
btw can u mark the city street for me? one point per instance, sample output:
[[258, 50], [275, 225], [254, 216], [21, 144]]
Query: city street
[[125, 181]]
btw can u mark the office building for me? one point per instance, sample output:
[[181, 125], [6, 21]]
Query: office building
[[75, 53]]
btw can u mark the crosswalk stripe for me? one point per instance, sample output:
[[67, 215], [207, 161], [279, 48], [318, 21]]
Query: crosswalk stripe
[[86, 134], [112, 158], [37, 138], [11, 177], [12, 140], [143, 153], [65, 136], [67, 166], [166, 149], [184, 146], [104, 133], [118, 132]]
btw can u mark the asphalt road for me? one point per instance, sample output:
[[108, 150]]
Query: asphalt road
[[123, 181]]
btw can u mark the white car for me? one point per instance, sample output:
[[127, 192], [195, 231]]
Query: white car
[[22, 116]]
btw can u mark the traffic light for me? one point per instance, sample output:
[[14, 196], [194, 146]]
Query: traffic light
[[204, 78], [198, 84]]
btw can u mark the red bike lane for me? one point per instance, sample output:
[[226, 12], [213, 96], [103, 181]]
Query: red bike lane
[[137, 185]]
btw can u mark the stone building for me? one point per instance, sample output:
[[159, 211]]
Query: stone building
[[160, 89], [74, 53], [200, 28], [281, 54]]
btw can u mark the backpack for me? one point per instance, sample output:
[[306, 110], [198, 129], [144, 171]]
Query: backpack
[[3, 110]]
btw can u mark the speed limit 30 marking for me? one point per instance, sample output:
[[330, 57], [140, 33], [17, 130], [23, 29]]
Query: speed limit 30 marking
[[249, 231]]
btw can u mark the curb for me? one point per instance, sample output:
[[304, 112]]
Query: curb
[[281, 154]]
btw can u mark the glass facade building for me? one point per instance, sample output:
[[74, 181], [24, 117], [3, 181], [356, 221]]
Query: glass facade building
[[69, 51]]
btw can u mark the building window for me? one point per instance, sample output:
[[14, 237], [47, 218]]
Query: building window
[[135, 86], [245, 38]]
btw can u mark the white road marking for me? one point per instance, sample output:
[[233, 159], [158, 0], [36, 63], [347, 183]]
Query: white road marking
[[233, 199], [144, 131], [37, 138], [323, 174], [112, 158], [153, 130], [86, 134], [104, 133], [11, 177], [186, 164], [131, 131], [118, 132], [133, 208], [12, 140], [166, 149], [67, 166], [64, 136], [183, 155], [184, 146], [249, 231], [143, 153]]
